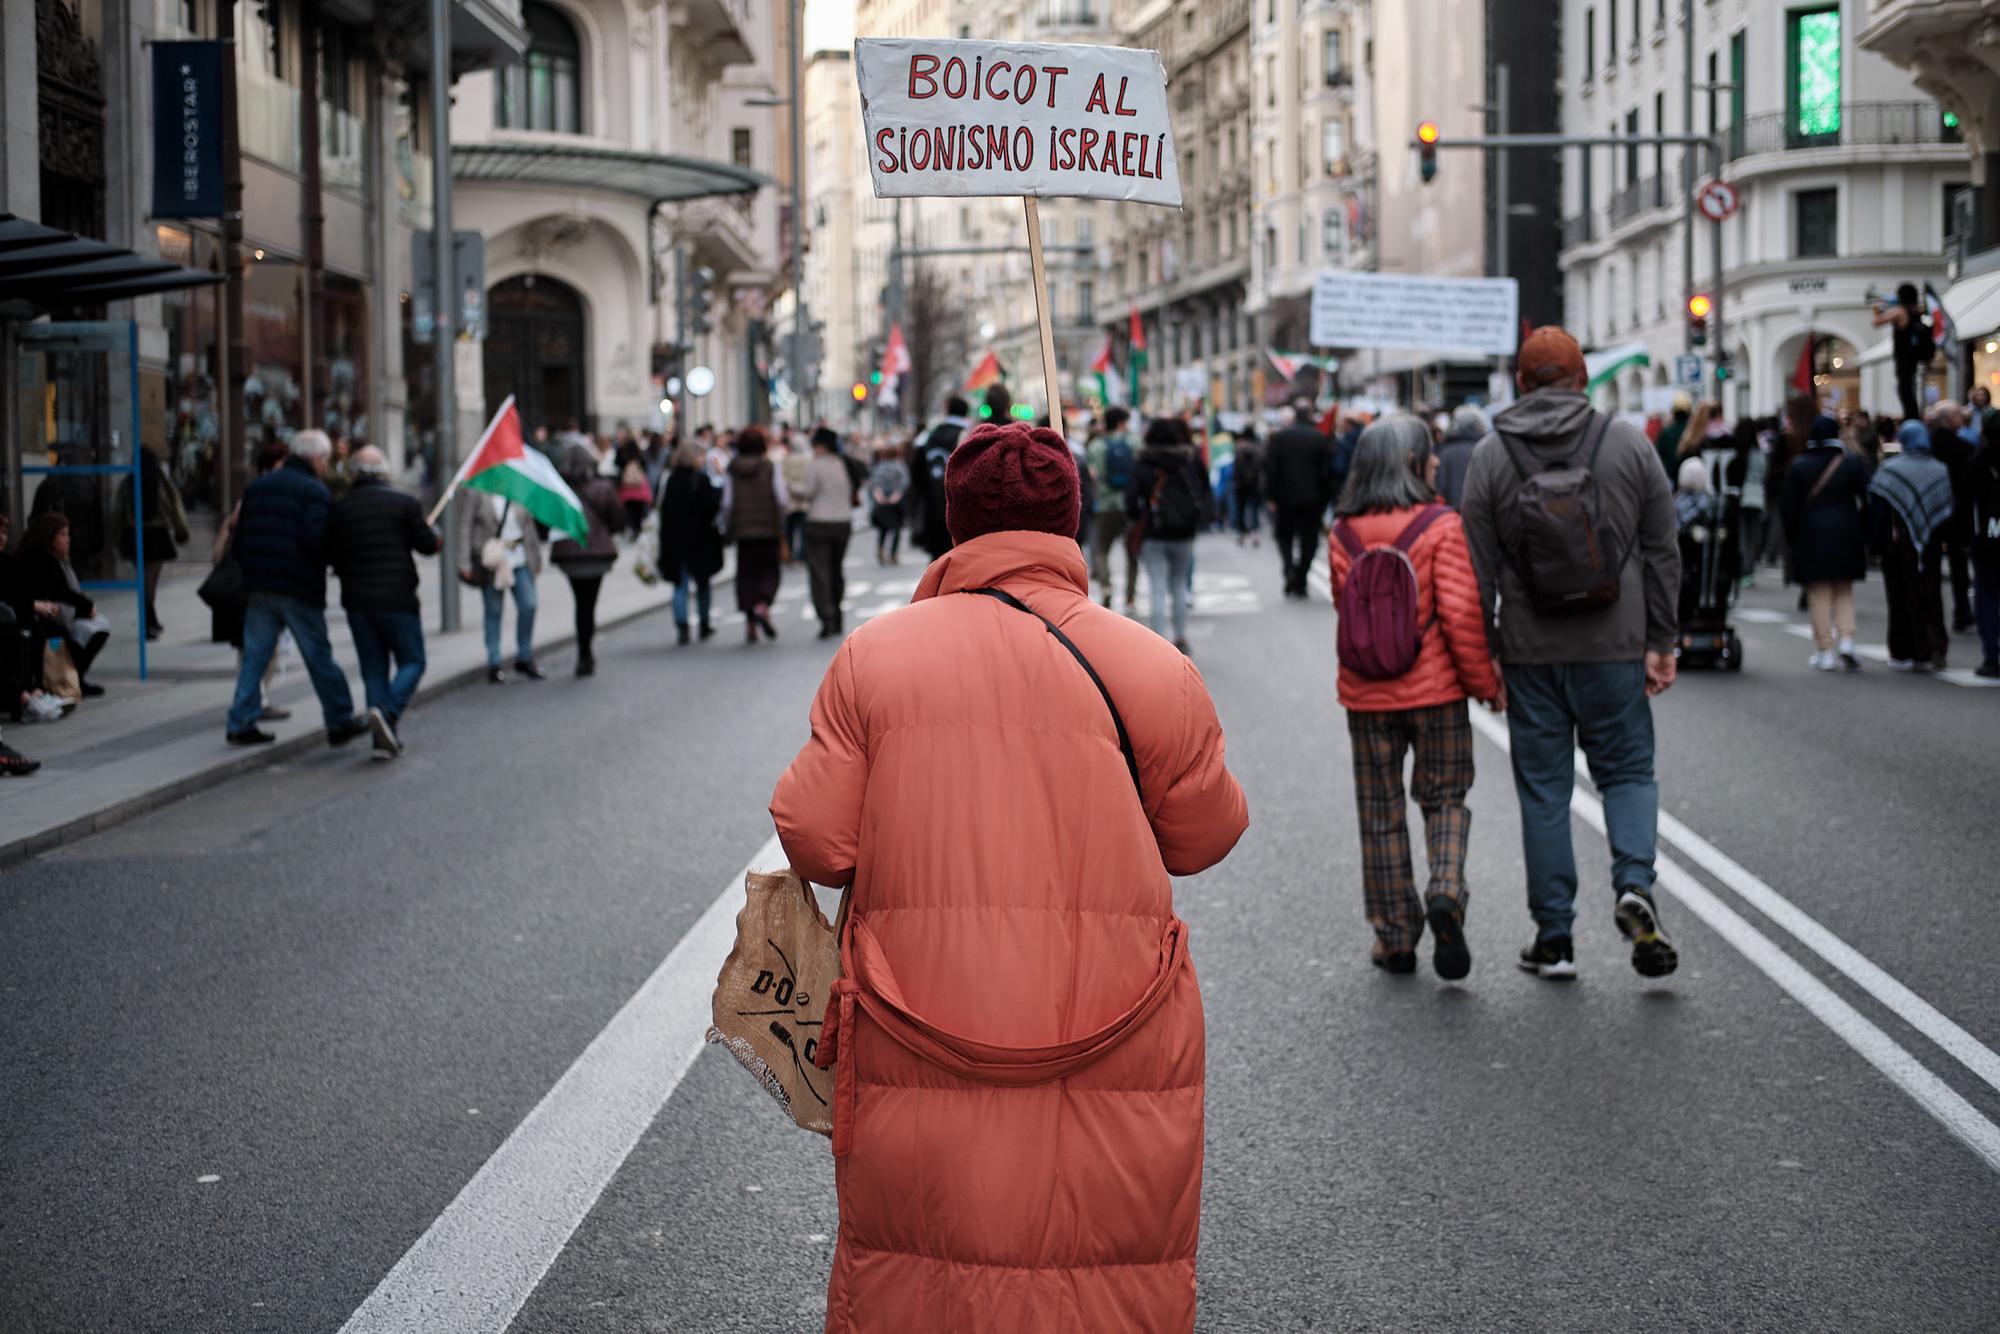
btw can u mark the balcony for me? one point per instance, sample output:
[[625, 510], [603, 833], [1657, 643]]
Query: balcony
[[483, 33], [719, 29], [1578, 230], [1852, 125], [267, 118], [343, 150], [1637, 198]]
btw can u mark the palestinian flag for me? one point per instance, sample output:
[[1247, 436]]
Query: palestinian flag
[[502, 465], [988, 372], [1943, 332], [1110, 388], [1137, 361]]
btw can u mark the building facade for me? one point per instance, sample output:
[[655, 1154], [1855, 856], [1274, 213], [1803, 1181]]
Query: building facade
[[1845, 168], [594, 166]]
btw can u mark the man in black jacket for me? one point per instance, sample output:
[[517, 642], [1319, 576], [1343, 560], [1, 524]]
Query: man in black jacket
[[1298, 475], [370, 538], [927, 477], [280, 539]]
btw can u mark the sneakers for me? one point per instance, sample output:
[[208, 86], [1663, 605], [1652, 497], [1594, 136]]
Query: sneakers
[[1653, 955], [387, 744], [495, 676], [1449, 955], [13, 764], [249, 736], [1901, 665], [1551, 960], [346, 732], [524, 668], [1823, 661], [1848, 658]]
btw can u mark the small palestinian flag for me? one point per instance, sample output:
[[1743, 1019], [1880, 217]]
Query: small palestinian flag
[[988, 372], [502, 465]]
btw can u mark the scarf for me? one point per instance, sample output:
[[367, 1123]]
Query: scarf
[[1917, 489]]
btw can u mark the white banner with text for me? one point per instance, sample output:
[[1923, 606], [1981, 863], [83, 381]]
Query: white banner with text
[[1474, 317]]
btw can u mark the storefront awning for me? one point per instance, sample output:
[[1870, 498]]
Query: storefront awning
[[1974, 305], [653, 177], [51, 270]]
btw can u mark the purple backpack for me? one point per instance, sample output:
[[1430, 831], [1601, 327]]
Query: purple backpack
[[1379, 634]]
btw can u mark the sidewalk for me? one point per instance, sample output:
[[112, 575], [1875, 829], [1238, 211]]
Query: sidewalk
[[144, 744]]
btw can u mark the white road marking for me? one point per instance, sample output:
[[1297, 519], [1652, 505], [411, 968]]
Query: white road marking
[[478, 1263], [1936, 1097]]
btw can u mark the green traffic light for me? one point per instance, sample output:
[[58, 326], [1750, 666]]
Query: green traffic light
[[875, 377], [985, 411], [1023, 412]]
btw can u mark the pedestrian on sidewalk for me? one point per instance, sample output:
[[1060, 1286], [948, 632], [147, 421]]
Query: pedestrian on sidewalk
[[1247, 478], [586, 563], [1824, 509], [888, 488], [373, 537], [690, 544], [503, 554], [754, 502], [1047, 1108], [226, 612], [1298, 478], [1572, 531], [795, 461], [634, 493], [1412, 649], [281, 540], [165, 524], [830, 498], [47, 583], [1982, 490], [1910, 504], [1112, 458], [1168, 507], [1454, 452]]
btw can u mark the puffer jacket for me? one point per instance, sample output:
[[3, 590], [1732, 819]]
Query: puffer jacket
[[280, 536], [1455, 661], [370, 535], [1018, 1034]]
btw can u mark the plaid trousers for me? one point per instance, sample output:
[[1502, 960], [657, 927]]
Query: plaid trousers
[[1441, 736]]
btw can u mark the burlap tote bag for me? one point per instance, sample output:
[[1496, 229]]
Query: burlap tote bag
[[770, 999]]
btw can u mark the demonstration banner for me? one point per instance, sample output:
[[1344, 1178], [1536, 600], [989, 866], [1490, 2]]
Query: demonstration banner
[[1476, 317], [946, 117], [187, 129]]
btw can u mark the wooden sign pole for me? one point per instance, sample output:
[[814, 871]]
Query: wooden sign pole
[[1042, 313]]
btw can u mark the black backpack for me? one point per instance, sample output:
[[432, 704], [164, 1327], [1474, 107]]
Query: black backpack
[[1177, 511], [1562, 543]]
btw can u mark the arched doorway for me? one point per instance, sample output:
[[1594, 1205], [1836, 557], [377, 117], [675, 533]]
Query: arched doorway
[[535, 351]]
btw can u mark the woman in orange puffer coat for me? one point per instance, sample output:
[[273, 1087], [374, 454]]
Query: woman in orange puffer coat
[[1017, 1038], [1423, 709]]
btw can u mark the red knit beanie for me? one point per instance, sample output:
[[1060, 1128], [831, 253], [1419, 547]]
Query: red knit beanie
[[1011, 477]]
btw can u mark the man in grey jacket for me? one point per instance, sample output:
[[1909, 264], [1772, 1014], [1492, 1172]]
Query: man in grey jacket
[[1579, 677]]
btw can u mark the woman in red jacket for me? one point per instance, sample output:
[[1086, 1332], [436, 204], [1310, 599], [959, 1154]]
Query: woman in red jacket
[[1388, 504]]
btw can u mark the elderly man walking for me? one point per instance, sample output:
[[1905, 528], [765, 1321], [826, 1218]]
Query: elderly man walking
[[1572, 533], [280, 540], [371, 538]]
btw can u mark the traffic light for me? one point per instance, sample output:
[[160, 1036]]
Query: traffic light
[[700, 298], [1699, 307], [875, 377], [1427, 154], [860, 392]]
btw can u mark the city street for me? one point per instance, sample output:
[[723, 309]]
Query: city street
[[343, 1046]]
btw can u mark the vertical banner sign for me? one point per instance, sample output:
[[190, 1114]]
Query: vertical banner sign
[[187, 129], [1034, 119]]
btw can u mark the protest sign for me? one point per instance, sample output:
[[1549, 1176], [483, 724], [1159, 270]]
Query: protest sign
[[958, 117], [1475, 317]]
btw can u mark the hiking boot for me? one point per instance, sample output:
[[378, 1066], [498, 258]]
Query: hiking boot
[[1449, 956], [1653, 955], [1553, 960]]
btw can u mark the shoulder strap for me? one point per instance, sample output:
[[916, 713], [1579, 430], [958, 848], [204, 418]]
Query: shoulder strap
[[1417, 526], [1348, 538], [1117, 720], [1832, 467]]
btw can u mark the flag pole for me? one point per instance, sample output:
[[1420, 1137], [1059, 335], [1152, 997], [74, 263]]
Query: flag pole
[[465, 464], [1034, 213]]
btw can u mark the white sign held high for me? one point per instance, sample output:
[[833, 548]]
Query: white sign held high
[[1474, 317], [947, 117]]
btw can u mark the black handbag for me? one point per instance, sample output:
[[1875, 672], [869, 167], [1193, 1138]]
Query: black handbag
[[223, 589]]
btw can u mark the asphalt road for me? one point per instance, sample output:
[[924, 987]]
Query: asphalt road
[[255, 1043]]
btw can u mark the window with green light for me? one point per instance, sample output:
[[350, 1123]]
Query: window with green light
[[1815, 82]]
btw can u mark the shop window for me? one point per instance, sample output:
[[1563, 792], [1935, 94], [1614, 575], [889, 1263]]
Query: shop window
[[739, 147], [1815, 223], [545, 90]]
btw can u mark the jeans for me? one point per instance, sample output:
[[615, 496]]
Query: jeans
[[524, 617], [1109, 533], [1986, 602], [1168, 565], [1601, 706], [795, 535], [701, 596], [378, 637], [263, 618]]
